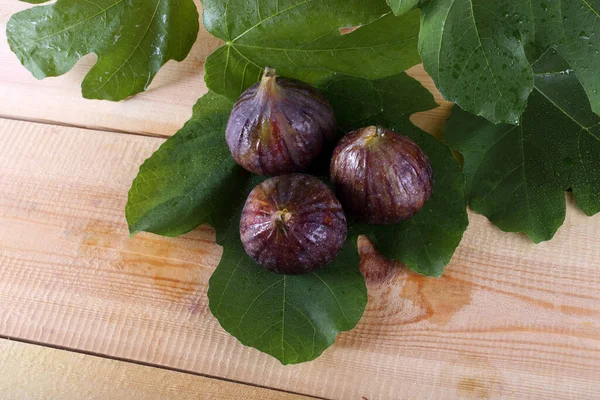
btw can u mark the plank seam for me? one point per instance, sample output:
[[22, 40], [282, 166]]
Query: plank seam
[[89, 128], [147, 364]]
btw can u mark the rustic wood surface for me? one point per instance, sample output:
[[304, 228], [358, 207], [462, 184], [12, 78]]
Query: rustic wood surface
[[509, 319], [27, 368]]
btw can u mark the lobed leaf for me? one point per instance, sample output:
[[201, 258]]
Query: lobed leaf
[[474, 51], [517, 175], [183, 184], [132, 39], [301, 39]]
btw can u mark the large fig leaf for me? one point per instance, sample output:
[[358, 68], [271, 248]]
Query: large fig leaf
[[426, 242], [517, 175], [133, 39], [301, 39], [474, 51], [294, 318], [183, 184]]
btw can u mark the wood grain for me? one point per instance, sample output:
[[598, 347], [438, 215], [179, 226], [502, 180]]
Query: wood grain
[[36, 373], [508, 319]]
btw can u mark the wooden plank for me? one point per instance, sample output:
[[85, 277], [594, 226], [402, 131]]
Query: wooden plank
[[509, 319], [161, 110], [34, 372]]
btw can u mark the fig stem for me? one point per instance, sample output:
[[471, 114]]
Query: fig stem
[[372, 133], [269, 72], [268, 82]]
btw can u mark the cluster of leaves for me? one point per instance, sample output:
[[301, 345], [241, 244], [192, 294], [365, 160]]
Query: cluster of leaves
[[479, 52], [517, 175], [528, 70], [507, 62]]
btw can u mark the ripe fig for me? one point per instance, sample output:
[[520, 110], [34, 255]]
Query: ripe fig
[[292, 224], [279, 126], [381, 177]]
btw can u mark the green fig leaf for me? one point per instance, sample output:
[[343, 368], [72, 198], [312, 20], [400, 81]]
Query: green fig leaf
[[302, 40], [474, 51], [360, 102], [183, 184], [132, 39], [517, 175]]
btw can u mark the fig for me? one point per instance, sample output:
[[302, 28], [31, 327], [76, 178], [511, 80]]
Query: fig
[[279, 126], [292, 224], [380, 176]]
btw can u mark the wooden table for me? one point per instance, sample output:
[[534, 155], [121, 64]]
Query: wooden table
[[87, 312]]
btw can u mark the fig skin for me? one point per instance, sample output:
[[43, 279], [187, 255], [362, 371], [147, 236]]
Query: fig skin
[[292, 224], [380, 176], [279, 126]]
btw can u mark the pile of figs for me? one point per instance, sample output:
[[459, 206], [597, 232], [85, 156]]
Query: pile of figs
[[293, 223]]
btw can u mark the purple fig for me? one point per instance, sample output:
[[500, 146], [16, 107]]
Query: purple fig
[[381, 177], [292, 224], [279, 126]]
